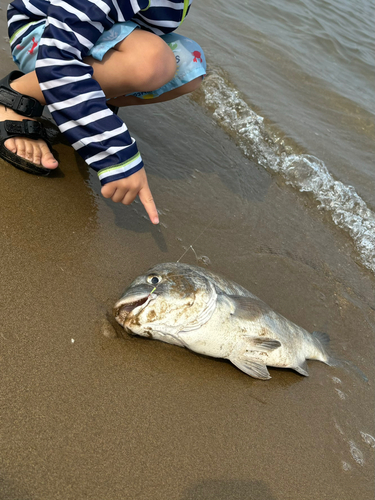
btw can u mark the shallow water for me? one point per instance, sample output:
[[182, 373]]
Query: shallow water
[[307, 69], [308, 66], [86, 416]]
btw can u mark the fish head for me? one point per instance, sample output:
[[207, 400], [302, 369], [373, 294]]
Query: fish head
[[168, 299]]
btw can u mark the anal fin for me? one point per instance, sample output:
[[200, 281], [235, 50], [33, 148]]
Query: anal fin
[[302, 369], [252, 368]]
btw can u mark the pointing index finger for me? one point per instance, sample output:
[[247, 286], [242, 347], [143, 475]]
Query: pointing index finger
[[147, 200]]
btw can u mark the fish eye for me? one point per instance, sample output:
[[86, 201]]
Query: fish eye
[[154, 280]]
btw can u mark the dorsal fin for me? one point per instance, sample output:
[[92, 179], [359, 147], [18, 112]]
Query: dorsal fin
[[249, 308]]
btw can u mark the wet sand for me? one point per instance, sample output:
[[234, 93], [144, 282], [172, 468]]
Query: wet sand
[[86, 416]]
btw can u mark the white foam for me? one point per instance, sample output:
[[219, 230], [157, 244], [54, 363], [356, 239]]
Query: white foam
[[346, 466], [340, 394], [368, 439], [356, 453], [304, 172], [339, 428]]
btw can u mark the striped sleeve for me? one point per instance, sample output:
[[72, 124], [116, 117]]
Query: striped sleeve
[[21, 14], [162, 16], [74, 98]]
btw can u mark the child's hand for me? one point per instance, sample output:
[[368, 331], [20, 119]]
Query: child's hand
[[125, 191]]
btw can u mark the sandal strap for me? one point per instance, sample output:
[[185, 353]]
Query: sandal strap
[[25, 105], [25, 128]]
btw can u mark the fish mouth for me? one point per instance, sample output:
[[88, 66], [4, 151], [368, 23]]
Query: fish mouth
[[123, 308]]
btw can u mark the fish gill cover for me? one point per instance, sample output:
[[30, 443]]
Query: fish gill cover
[[304, 172]]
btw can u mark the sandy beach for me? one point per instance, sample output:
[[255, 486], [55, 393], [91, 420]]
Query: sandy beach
[[86, 416]]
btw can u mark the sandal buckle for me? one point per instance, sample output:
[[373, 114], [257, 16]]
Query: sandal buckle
[[32, 128], [25, 128], [28, 106], [23, 104]]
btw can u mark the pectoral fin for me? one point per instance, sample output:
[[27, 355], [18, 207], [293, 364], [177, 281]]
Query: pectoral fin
[[252, 368], [262, 343]]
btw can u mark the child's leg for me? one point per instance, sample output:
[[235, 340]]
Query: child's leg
[[138, 63], [190, 70], [132, 100], [141, 62]]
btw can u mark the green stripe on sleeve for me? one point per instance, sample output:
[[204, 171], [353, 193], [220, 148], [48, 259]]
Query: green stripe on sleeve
[[186, 6], [120, 165]]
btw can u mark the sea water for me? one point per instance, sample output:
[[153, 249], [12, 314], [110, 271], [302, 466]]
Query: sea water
[[293, 82]]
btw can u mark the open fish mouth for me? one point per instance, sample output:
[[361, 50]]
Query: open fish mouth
[[123, 308]]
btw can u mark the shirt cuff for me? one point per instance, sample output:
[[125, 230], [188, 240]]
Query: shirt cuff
[[121, 171]]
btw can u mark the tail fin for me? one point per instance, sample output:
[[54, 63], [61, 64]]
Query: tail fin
[[324, 341], [332, 360], [322, 337]]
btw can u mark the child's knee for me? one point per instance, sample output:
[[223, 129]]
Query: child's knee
[[159, 65], [148, 60]]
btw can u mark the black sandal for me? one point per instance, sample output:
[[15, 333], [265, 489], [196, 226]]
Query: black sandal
[[25, 106]]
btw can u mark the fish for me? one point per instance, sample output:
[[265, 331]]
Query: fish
[[195, 308]]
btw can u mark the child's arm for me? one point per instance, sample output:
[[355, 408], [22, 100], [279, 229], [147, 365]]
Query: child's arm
[[77, 102], [126, 190]]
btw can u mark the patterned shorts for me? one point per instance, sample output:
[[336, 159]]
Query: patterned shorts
[[190, 59]]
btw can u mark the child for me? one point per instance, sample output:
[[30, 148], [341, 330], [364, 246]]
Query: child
[[84, 58]]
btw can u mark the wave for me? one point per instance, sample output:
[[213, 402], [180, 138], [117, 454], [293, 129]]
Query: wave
[[302, 171]]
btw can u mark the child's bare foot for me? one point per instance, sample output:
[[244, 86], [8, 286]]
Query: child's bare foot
[[35, 151]]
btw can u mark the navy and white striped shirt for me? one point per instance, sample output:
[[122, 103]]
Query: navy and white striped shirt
[[75, 100]]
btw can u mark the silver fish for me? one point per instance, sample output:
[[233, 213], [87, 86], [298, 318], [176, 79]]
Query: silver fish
[[192, 307]]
